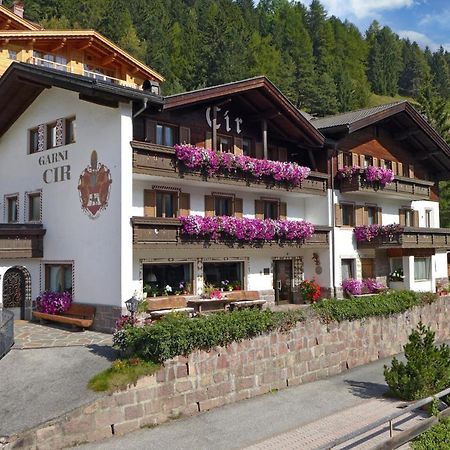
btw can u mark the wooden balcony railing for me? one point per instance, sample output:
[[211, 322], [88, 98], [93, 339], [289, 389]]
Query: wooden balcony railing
[[21, 241], [155, 232], [153, 159], [401, 187], [437, 238]]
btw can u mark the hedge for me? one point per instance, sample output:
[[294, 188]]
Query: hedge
[[176, 334], [437, 438]]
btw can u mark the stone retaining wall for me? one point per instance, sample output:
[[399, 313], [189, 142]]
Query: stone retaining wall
[[206, 380]]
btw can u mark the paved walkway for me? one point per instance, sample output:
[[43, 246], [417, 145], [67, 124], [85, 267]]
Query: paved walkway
[[28, 335], [297, 416]]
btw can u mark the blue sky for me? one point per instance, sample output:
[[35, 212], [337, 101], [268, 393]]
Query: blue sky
[[425, 21]]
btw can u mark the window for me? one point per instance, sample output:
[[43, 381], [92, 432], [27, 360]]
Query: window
[[230, 273], [166, 204], [396, 264], [271, 210], [347, 158], [51, 135], [58, 277], [34, 207], [99, 73], [387, 164], [223, 144], [422, 268], [70, 130], [428, 218], [223, 206], [12, 54], [368, 161], [165, 135], [409, 218], [347, 268], [348, 215], [50, 60], [34, 140], [178, 276], [405, 170], [372, 215], [247, 146], [12, 206]]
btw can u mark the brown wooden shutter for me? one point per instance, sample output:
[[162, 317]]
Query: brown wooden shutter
[[340, 161], [338, 215], [400, 169], [283, 210], [238, 207], [149, 203], [401, 217], [282, 154], [355, 159], [210, 210], [139, 129], [375, 161], [185, 135], [359, 215], [379, 216], [411, 171], [259, 150], [415, 218], [361, 160], [238, 146], [208, 140], [259, 209], [185, 204], [394, 168], [150, 131]]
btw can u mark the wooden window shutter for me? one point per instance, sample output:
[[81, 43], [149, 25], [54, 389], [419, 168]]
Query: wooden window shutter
[[362, 159], [283, 210], [359, 215], [282, 154], [400, 169], [411, 171], [379, 216], [401, 217], [238, 207], [375, 161], [340, 161], [208, 140], [149, 203], [150, 131], [259, 209], [355, 159], [338, 215], [259, 150], [394, 168], [185, 204], [185, 135], [210, 211], [415, 218], [238, 146]]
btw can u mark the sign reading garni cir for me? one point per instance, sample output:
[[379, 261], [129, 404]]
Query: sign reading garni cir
[[94, 187]]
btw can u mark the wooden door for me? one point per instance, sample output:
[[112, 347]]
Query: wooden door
[[282, 280], [368, 267]]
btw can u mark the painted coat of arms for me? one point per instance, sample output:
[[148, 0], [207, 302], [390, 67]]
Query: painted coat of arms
[[94, 187]]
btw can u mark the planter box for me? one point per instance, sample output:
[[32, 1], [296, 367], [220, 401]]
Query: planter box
[[397, 285]]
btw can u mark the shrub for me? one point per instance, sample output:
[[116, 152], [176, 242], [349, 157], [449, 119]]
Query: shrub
[[427, 368], [384, 304], [178, 335], [50, 302], [436, 438]]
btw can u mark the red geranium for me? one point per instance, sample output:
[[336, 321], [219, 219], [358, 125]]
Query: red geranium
[[310, 290]]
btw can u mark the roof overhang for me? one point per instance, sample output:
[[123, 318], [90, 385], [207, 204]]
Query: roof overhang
[[84, 40], [259, 97], [22, 83], [9, 20]]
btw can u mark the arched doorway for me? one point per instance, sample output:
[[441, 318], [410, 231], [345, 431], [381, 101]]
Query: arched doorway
[[17, 292]]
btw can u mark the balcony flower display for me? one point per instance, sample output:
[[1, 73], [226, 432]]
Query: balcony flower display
[[50, 302], [347, 172], [212, 163], [397, 275], [371, 174], [352, 286], [246, 230], [366, 233]]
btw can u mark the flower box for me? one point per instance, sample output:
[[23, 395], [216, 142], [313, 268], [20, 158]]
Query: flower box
[[397, 285]]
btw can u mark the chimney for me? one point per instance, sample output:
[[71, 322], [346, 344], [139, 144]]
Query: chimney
[[18, 8]]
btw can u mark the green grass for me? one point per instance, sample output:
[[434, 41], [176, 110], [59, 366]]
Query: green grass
[[122, 373], [436, 438], [377, 100]]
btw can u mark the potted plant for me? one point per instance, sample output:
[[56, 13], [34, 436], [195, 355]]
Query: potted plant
[[310, 290], [146, 291], [396, 280]]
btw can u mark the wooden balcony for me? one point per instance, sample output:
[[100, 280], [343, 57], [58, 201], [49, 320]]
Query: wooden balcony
[[21, 241], [401, 187], [431, 238], [155, 232], [158, 160]]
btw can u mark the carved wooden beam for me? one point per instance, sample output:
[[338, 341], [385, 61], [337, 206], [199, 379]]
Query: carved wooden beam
[[108, 59], [61, 45], [86, 44]]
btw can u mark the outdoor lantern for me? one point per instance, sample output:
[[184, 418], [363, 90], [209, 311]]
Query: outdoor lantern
[[132, 305]]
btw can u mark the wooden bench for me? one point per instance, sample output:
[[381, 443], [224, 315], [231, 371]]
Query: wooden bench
[[245, 299], [78, 315], [158, 307]]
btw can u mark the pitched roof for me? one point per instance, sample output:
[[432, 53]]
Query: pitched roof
[[90, 36], [352, 117], [19, 23]]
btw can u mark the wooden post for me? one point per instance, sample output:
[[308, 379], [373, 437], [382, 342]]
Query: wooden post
[[214, 129], [264, 136]]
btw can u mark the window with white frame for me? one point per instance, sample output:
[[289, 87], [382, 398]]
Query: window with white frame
[[347, 268], [12, 208], [58, 277], [428, 218], [422, 268], [34, 206]]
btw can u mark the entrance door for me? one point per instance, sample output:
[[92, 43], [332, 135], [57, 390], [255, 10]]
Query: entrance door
[[14, 292], [367, 266], [283, 280]]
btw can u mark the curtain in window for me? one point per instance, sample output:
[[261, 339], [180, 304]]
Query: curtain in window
[[422, 268]]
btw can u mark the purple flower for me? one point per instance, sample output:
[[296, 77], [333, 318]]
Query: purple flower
[[366, 233], [50, 302], [379, 175], [347, 173], [352, 286]]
